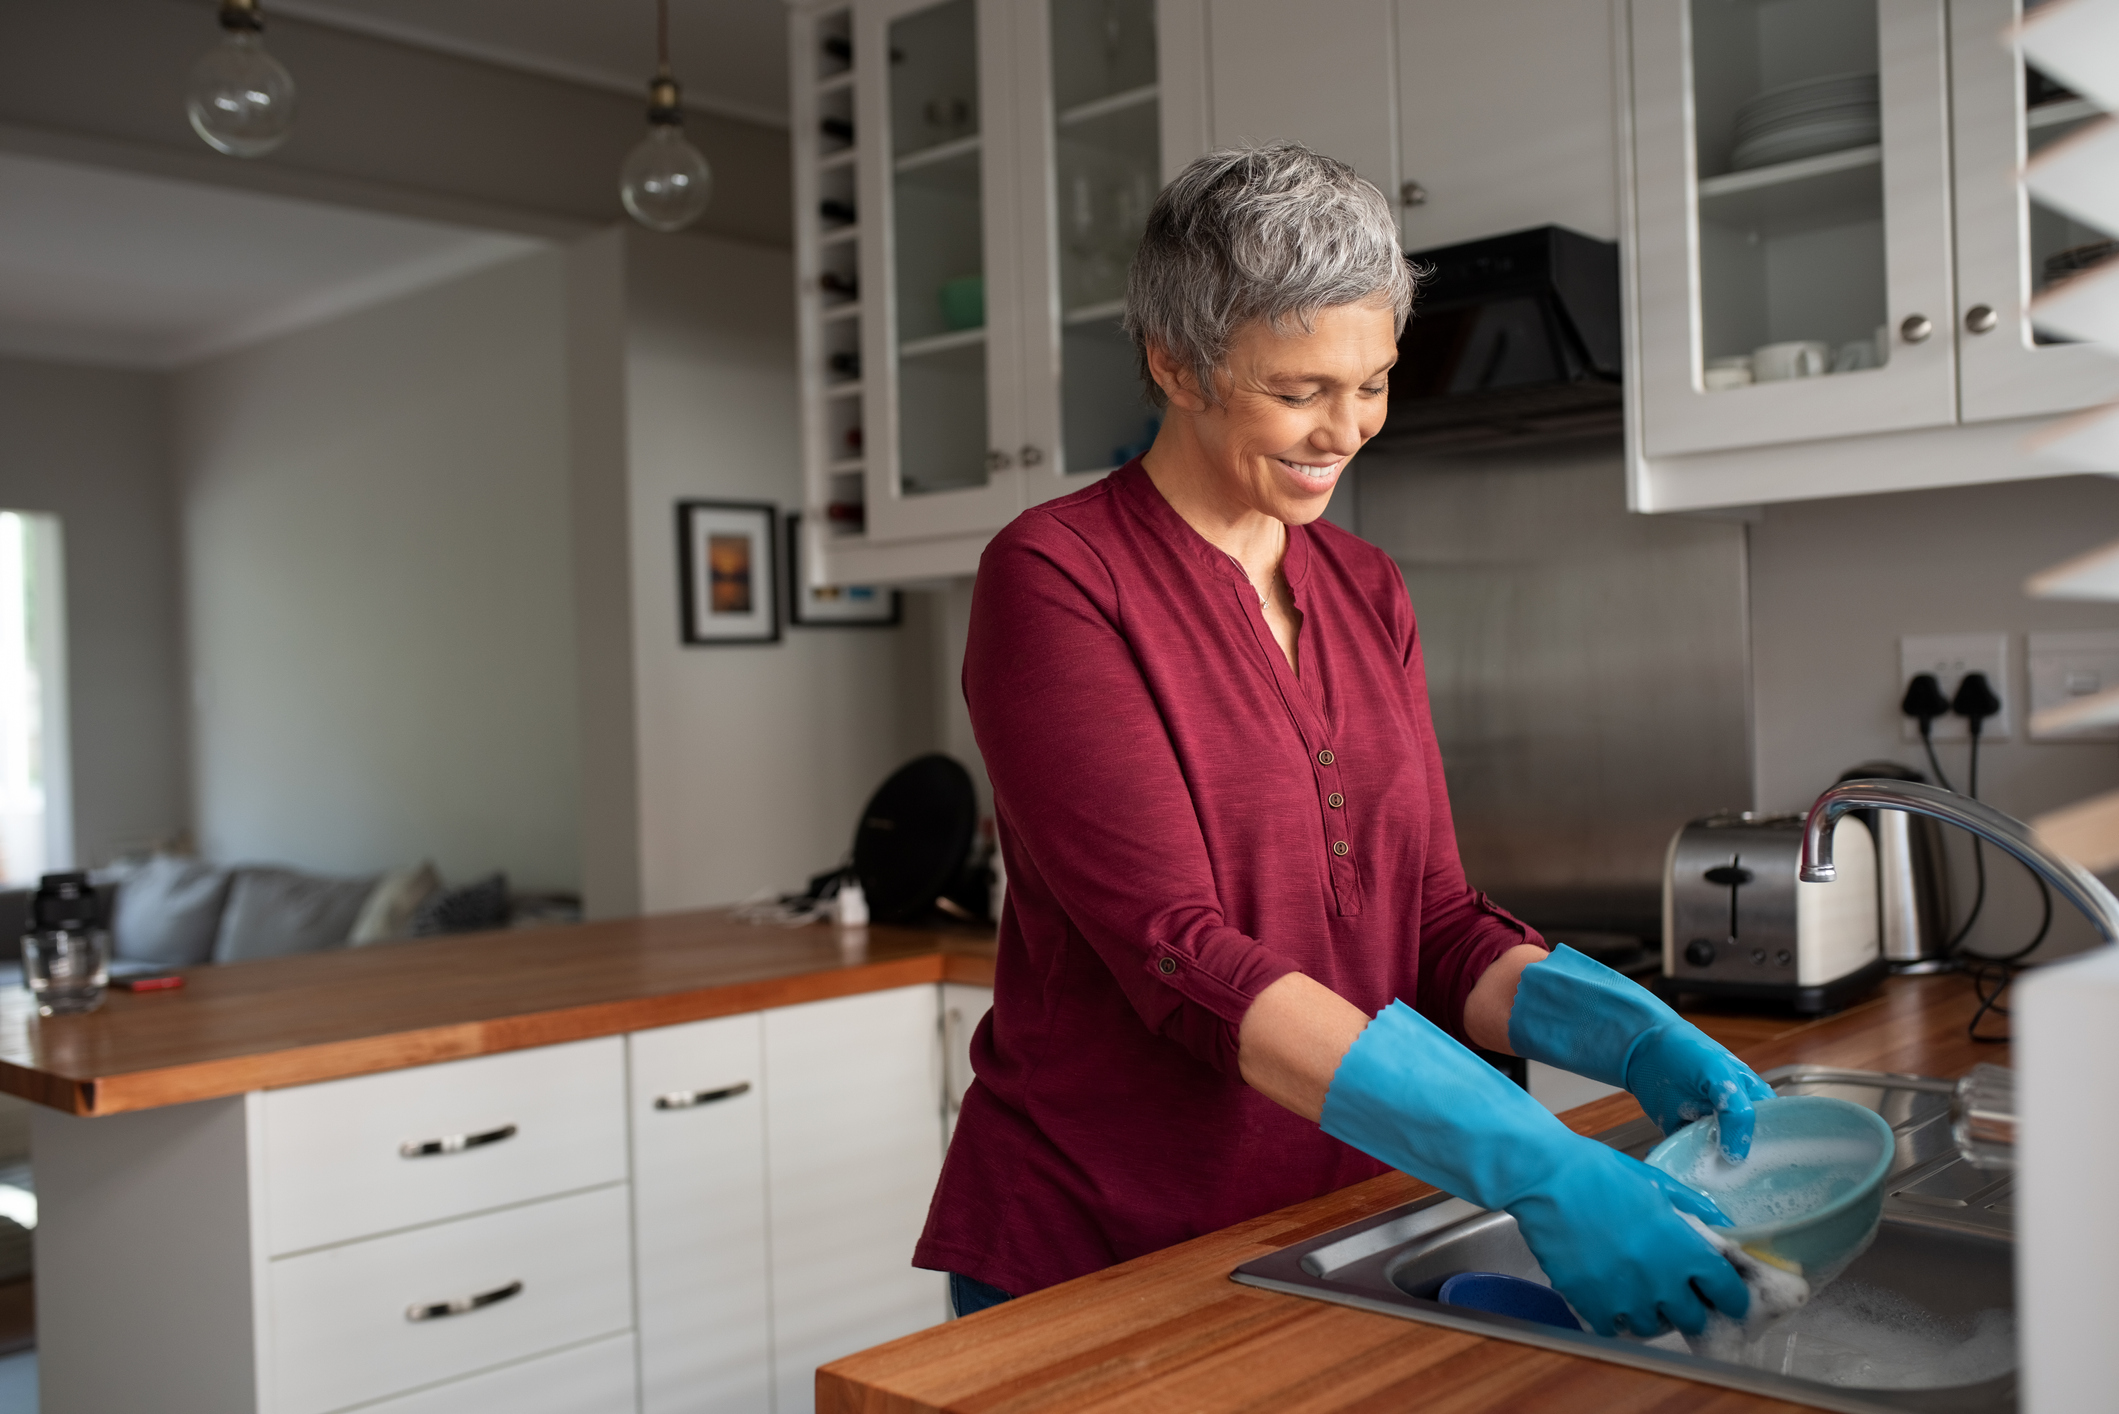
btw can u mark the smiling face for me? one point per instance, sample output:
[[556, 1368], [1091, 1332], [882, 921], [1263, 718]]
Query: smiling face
[[1295, 406]]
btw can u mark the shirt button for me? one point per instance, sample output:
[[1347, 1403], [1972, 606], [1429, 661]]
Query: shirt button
[[1168, 965], [1335, 800], [1325, 757], [1340, 847]]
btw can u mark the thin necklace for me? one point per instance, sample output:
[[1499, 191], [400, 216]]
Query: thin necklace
[[1262, 595]]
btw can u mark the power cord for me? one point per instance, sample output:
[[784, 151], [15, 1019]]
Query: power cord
[[1991, 974]]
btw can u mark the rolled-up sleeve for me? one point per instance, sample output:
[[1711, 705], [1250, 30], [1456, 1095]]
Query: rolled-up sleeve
[[1095, 804]]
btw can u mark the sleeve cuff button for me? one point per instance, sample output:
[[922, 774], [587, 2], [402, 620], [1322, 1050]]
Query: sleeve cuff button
[[1167, 966]]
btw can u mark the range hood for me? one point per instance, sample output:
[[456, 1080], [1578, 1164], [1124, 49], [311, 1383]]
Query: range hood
[[1513, 339]]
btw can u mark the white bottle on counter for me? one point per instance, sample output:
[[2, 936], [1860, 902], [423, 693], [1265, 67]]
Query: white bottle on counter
[[2066, 1049], [849, 907]]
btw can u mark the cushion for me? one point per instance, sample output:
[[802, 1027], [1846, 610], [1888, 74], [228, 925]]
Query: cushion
[[278, 912], [470, 909], [392, 904], [169, 911]]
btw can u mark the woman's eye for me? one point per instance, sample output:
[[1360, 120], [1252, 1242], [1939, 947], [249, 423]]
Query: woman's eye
[[1295, 401], [1375, 391]]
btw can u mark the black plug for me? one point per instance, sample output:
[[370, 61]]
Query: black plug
[[1924, 701], [1975, 700]]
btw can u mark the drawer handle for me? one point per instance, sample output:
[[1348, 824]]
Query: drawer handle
[[689, 1099], [454, 1143], [463, 1304]]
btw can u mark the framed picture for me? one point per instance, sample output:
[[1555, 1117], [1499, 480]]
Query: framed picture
[[731, 585], [835, 606]]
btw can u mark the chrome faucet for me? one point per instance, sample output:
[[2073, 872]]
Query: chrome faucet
[[2075, 883]]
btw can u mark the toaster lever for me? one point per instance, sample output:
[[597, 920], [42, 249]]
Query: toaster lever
[[1729, 876]]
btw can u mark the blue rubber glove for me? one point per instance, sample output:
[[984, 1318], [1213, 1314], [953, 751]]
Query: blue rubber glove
[[1602, 1225], [1581, 1016]]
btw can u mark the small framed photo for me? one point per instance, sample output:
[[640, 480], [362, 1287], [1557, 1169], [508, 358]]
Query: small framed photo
[[834, 606], [726, 551]]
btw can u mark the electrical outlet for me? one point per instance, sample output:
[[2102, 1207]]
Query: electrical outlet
[[2065, 668], [1950, 656]]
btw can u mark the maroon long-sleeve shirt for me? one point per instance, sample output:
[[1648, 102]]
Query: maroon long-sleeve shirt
[[1185, 821]]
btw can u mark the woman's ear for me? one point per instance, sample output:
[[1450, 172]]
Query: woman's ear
[[1176, 380]]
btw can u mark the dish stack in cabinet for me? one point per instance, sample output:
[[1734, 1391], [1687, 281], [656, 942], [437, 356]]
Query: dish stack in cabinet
[[828, 235]]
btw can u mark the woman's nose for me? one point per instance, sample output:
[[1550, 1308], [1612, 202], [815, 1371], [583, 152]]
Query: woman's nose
[[1344, 432]]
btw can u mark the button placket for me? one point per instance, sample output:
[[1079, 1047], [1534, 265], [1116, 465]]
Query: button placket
[[1338, 840]]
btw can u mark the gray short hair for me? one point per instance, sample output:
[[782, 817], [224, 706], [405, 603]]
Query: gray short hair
[[1275, 233]]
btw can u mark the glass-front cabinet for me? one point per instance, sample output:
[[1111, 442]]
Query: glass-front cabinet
[[1793, 199], [2010, 248], [1831, 242], [972, 177]]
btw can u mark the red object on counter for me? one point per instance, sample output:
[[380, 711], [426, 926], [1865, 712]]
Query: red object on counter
[[148, 984], [1184, 823]]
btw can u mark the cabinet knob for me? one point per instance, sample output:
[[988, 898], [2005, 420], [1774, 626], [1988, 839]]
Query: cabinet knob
[[1412, 194], [1915, 328], [1981, 319], [998, 460], [1032, 456]]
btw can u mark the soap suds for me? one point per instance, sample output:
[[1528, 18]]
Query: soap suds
[[1782, 1180], [1859, 1336]]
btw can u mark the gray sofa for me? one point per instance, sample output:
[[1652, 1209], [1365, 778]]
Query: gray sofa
[[176, 912]]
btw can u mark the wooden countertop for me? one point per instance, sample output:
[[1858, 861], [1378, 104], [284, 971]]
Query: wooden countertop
[[295, 1020], [1171, 1331]]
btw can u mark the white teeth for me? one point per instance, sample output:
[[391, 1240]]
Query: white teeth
[[1315, 473]]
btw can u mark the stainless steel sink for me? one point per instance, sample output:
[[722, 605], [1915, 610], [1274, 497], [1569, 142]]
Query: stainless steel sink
[[1931, 1303]]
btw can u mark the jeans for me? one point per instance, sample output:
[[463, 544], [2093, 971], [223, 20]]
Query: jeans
[[967, 1295]]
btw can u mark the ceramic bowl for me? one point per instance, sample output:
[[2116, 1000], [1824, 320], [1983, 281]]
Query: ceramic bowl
[[1811, 1193]]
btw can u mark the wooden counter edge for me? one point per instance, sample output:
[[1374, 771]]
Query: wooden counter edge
[[1170, 1326], [368, 1055], [851, 1385]]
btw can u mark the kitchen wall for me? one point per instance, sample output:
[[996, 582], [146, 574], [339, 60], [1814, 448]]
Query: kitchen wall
[[1835, 583], [753, 760], [1586, 666], [86, 444], [379, 587]]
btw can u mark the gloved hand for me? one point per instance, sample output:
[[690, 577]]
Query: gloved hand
[[1581, 1016], [1601, 1224]]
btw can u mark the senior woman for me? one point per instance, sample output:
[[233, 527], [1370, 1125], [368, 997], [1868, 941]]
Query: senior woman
[[1239, 961]]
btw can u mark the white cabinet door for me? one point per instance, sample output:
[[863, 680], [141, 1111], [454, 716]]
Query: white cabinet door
[[1840, 248], [852, 1141], [2004, 240], [1320, 73], [376, 1153], [698, 1123], [368, 1319], [1505, 118], [937, 133], [1088, 120], [963, 1007], [596, 1378]]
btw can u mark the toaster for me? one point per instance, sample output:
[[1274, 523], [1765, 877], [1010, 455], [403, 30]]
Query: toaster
[[1739, 924]]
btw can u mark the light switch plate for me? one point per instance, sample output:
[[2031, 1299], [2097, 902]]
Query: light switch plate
[[2065, 667], [1950, 656]]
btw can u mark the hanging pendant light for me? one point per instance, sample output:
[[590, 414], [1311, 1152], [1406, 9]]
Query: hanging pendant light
[[240, 98], [665, 182]]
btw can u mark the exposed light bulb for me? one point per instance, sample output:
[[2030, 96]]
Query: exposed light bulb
[[665, 182], [241, 99]]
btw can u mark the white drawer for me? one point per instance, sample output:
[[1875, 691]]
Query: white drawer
[[596, 1378], [341, 1331], [335, 1159]]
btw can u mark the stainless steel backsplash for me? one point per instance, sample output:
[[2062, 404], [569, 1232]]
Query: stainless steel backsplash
[[1588, 669]]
